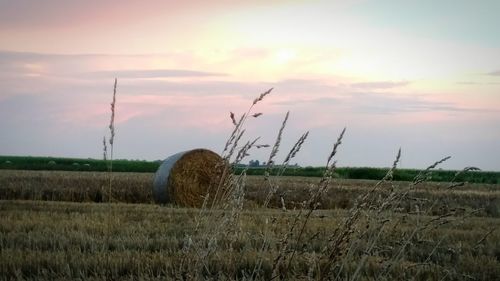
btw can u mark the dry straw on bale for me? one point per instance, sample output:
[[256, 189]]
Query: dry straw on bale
[[186, 178]]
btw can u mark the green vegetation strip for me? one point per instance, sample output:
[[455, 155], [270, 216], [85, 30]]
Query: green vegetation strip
[[76, 164]]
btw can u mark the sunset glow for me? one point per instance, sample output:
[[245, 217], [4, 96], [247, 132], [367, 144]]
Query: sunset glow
[[423, 76]]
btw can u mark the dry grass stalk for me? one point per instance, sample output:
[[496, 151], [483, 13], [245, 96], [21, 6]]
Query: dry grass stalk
[[270, 161], [375, 224], [425, 174], [285, 257], [105, 149], [480, 241], [228, 198], [369, 219], [111, 127], [454, 183], [261, 97], [239, 125], [391, 204], [231, 146], [277, 143], [231, 115]]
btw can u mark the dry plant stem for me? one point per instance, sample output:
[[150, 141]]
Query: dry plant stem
[[284, 247], [228, 188], [388, 177], [270, 161], [273, 186], [105, 158], [399, 254], [226, 173], [263, 248], [243, 152], [272, 190], [224, 188], [421, 177], [369, 249], [229, 194], [235, 144], [312, 204], [427, 260], [425, 174], [231, 115], [233, 140], [335, 147], [227, 224], [112, 139], [419, 228], [363, 202], [453, 182], [274, 151], [484, 237], [293, 152], [110, 168], [342, 235], [105, 149], [239, 125]]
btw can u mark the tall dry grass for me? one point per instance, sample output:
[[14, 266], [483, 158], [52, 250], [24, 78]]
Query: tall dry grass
[[354, 240]]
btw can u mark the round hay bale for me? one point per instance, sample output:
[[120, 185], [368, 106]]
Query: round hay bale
[[185, 178]]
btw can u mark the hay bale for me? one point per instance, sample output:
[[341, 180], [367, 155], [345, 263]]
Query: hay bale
[[185, 178]]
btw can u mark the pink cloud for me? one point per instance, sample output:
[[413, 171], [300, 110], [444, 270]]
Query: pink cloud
[[380, 85]]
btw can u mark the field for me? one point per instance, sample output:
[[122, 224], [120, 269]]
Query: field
[[55, 226]]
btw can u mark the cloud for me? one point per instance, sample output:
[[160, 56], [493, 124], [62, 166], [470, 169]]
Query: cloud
[[384, 103], [13, 57], [151, 73], [77, 74], [92, 66], [379, 85], [477, 83], [49, 13], [157, 117], [494, 73], [20, 63]]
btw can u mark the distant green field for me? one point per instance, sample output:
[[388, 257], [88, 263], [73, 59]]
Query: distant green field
[[368, 173], [77, 164]]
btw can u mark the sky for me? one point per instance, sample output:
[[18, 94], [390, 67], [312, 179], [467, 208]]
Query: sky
[[423, 76]]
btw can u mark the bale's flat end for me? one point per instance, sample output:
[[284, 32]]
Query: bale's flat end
[[186, 178]]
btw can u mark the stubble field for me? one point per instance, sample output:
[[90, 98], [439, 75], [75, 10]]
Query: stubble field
[[55, 226]]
